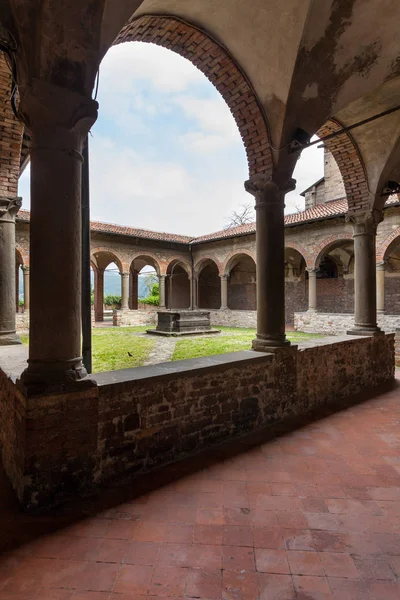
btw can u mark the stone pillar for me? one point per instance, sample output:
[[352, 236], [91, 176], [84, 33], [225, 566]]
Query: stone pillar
[[8, 210], [16, 287], [26, 289], [195, 303], [124, 291], [380, 287], [99, 294], [133, 290], [270, 262], [224, 291], [312, 289], [161, 280], [191, 292], [364, 234], [59, 120]]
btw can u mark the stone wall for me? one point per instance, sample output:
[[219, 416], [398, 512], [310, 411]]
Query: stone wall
[[296, 297], [22, 321], [338, 323], [131, 318], [335, 295], [333, 184], [133, 420], [234, 318], [392, 294]]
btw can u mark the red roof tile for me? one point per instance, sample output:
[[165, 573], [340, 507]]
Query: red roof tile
[[335, 208]]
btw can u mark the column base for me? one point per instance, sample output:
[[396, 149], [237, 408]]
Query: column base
[[9, 338], [269, 344], [312, 310], [364, 330], [45, 377]]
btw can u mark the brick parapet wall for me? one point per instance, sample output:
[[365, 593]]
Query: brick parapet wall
[[64, 445], [131, 318], [338, 323]]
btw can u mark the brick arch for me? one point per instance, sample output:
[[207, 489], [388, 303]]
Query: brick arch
[[226, 266], [217, 64], [24, 257], [182, 262], [383, 247], [198, 267], [10, 135], [157, 263], [328, 243], [301, 250], [351, 167], [122, 265]]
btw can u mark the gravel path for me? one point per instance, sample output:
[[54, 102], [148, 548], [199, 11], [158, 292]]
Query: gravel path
[[163, 351]]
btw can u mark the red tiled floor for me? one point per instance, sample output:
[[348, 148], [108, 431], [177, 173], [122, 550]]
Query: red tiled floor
[[313, 514]]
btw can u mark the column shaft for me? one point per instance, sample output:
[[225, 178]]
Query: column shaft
[[312, 289], [26, 289], [364, 227], [99, 294], [161, 280], [191, 292], [380, 287], [224, 291], [8, 210], [134, 290], [270, 263], [124, 291], [195, 302]]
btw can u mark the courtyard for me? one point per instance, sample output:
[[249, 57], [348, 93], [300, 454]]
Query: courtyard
[[127, 347]]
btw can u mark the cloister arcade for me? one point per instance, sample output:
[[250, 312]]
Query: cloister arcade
[[286, 73]]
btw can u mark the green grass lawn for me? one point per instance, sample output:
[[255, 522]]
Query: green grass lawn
[[232, 340], [111, 347]]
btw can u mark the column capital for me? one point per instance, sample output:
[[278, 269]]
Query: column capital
[[25, 269], [45, 105], [381, 265], [224, 275], [365, 223], [312, 270], [9, 207], [265, 189], [162, 276], [124, 274]]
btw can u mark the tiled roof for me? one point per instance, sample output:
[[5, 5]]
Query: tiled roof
[[335, 208]]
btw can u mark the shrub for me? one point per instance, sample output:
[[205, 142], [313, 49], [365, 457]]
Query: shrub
[[112, 301], [154, 298]]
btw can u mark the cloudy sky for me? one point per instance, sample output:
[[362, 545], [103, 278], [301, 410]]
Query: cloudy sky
[[165, 153]]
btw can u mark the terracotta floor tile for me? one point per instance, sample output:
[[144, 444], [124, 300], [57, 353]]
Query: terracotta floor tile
[[238, 558], [373, 568], [237, 516], [188, 555], [133, 579], [291, 519], [88, 528], [267, 537], [384, 590], [239, 586], [210, 516], [98, 577], [275, 587], [283, 489], [338, 565], [178, 533], [304, 563], [271, 561], [298, 539], [168, 581], [150, 531], [349, 589], [208, 534], [121, 530], [312, 587], [203, 584], [233, 535], [279, 503], [264, 518], [329, 541], [314, 505], [112, 551], [142, 553]]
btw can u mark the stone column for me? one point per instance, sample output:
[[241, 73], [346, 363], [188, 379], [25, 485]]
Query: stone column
[[195, 302], [161, 280], [270, 262], [380, 287], [8, 210], [191, 292], [99, 294], [133, 290], [312, 289], [364, 235], [58, 121], [26, 289], [224, 291], [124, 291]]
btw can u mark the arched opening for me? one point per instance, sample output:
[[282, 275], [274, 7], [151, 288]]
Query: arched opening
[[209, 285], [143, 276], [335, 278], [392, 278], [242, 292], [19, 282], [107, 285], [296, 287], [177, 289]]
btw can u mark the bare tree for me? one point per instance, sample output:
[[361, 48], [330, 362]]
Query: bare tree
[[245, 214]]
